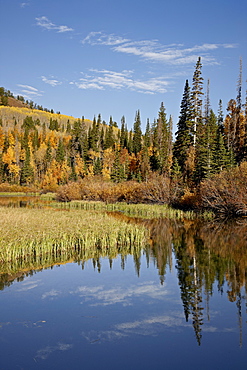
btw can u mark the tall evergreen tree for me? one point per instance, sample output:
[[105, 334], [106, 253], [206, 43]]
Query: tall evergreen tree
[[137, 136], [147, 136], [27, 172], [205, 148], [184, 136], [164, 141], [196, 98], [60, 153]]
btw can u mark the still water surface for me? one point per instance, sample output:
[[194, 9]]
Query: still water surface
[[180, 304]]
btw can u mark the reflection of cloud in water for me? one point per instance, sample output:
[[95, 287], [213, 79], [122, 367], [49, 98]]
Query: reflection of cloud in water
[[28, 285], [43, 353], [94, 336], [173, 321], [104, 297], [51, 294], [151, 326]]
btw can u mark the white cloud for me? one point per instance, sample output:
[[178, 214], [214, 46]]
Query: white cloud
[[23, 5], [152, 50], [99, 38], [29, 88], [102, 79], [28, 92], [45, 23], [51, 82]]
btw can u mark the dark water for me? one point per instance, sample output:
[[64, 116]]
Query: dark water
[[181, 303]]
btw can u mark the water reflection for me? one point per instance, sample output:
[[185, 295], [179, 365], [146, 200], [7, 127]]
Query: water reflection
[[205, 255]]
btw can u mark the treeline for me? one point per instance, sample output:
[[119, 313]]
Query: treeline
[[206, 144], [6, 94]]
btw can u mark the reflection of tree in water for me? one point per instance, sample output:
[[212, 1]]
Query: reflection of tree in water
[[207, 253]]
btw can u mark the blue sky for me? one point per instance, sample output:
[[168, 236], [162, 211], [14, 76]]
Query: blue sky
[[115, 57]]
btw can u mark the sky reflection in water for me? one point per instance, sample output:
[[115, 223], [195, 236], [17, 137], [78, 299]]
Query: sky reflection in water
[[132, 315]]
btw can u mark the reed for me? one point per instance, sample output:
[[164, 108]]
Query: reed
[[136, 210], [38, 236]]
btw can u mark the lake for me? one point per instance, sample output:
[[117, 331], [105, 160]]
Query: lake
[[179, 303]]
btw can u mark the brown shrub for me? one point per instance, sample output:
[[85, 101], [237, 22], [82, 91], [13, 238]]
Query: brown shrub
[[226, 193], [156, 190], [11, 188]]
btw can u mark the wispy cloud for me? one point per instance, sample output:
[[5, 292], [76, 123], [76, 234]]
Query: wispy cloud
[[23, 5], [99, 38], [45, 23], [102, 79], [30, 88], [28, 285], [28, 92], [152, 50], [104, 297], [51, 82], [51, 294], [45, 352]]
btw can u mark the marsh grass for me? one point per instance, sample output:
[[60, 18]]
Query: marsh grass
[[136, 210], [40, 235]]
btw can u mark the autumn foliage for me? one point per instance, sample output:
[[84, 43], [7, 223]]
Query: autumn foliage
[[155, 190], [226, 193]]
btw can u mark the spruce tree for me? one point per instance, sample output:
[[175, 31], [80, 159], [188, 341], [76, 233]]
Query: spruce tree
[[27, 172], [196, 98], [164, 141], [122, 133], [137, 136], [147, 136], [184, 136], [60, 153]]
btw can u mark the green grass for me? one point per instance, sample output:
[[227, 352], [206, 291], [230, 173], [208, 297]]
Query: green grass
[[34, 237], [136, 210]]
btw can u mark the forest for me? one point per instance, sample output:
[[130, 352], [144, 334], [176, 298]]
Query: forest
[[203, 167]]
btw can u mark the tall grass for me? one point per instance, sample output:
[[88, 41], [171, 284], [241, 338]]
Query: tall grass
[[136, 210], [37, 236]]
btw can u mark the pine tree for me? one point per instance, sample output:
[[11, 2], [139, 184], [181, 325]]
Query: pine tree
[[147, 136], [164, 141], [27, 172], [197, 87], [122, 133], [97, 167], [117, 173], [184, 137], [205, 148], [60, 153], [137, 136]]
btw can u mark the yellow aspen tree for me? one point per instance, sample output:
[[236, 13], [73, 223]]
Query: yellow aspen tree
[[108, 160], [79, 166], [1, 140]]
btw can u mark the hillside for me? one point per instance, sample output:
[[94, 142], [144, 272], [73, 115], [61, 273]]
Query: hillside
[[14, 116]]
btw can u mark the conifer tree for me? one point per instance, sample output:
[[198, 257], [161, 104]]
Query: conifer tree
[[184, 136], [117, 173], [147, 136], [205, 148], [60, 153], [137, 136], [164, 141], [97, 166], [197, 87], [27, 172]]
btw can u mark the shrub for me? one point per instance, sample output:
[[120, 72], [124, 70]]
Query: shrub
[[226, 193], [156, 190]]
